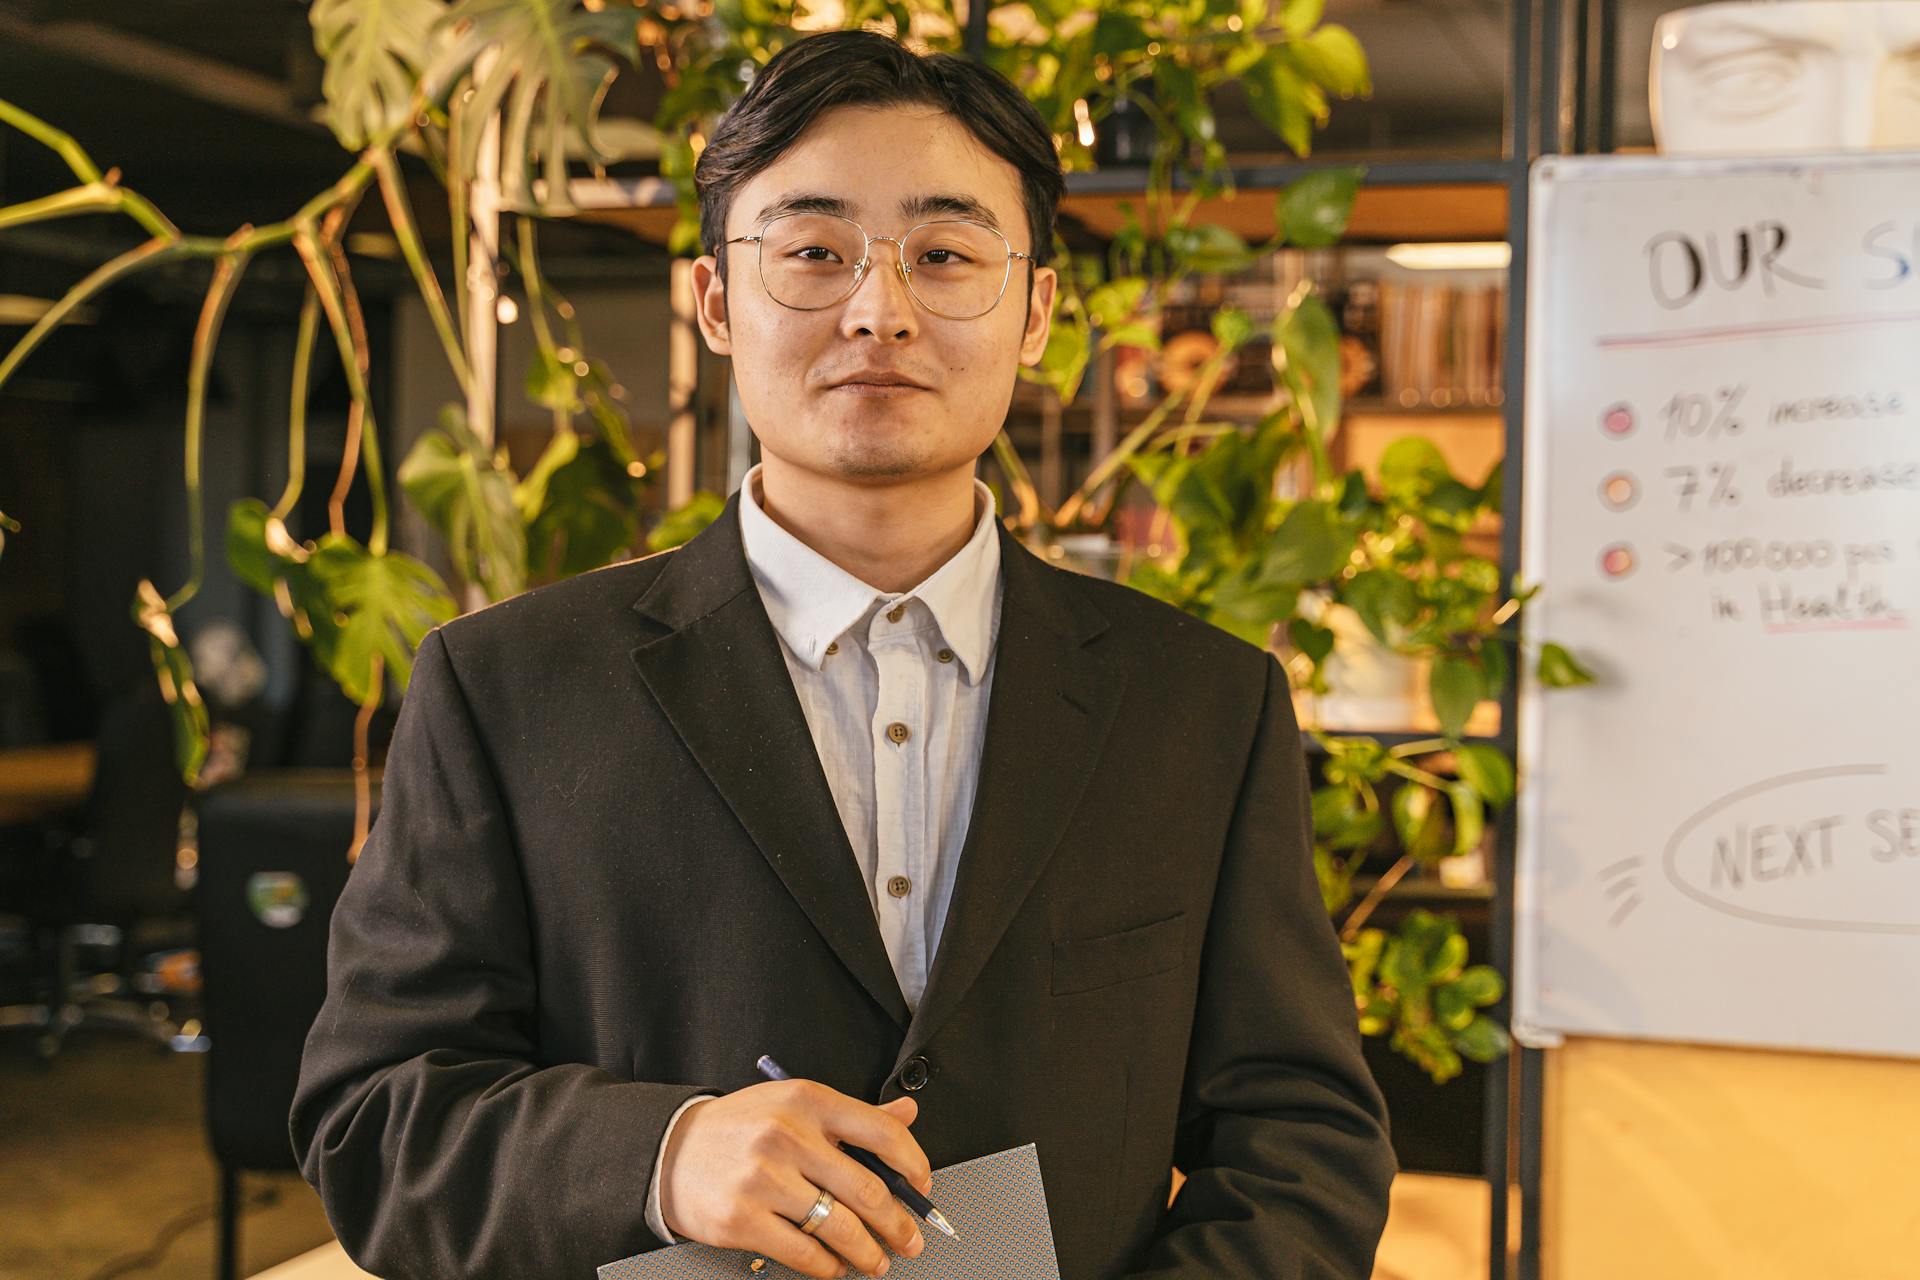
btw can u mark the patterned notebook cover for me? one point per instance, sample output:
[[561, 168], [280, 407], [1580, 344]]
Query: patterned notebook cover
[[996, 1205]]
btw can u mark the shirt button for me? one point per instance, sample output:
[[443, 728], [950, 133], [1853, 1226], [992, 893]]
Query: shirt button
[[897, 731], [899, 886], [945, 655], [833, 646], [894, 614]]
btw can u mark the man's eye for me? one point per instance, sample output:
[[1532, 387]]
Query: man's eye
[[815, 249], [952, 258]]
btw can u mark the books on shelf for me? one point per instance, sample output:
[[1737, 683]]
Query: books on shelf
[[1410, 339], [1440, 342]]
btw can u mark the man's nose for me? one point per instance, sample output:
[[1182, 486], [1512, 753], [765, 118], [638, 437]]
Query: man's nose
[[881, 303]]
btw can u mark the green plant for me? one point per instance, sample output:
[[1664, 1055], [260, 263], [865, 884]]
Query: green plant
[[426, 77]]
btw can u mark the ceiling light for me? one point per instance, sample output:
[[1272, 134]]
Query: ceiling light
[[1451, 256]]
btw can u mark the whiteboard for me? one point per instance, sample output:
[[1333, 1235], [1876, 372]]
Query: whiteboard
[[1719, 840]]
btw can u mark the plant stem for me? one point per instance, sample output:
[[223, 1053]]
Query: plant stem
[[457, 215], [1026, 496], [135, 259], [297, 409], [316, 255], [206, 335], [1117, 458], [400, 213], [1381, 888], [362, 788], [54, 139]]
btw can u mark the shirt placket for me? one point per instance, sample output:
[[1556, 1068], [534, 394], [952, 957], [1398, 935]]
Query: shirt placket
[[900, 735]]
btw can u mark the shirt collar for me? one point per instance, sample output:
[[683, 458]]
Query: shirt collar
[[812, 601]]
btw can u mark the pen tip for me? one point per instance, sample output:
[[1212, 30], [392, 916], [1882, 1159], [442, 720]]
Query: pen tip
[[939, 1220]]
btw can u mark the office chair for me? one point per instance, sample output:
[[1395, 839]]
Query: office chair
[[273, 861], [103, 900]]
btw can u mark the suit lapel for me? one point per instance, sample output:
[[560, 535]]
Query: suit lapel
[[1049, 711], [719, 676], [724, 686]]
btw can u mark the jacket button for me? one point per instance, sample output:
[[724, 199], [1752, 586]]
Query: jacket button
[[914, 1074]]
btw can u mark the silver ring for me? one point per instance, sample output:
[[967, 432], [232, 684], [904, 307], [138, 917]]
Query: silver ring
[[822, 1208]]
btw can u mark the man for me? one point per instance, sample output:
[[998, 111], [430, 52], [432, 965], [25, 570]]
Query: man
[[855, 780]]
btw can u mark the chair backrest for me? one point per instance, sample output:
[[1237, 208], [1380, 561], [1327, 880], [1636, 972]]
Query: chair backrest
[[273, 861], [133, 812]]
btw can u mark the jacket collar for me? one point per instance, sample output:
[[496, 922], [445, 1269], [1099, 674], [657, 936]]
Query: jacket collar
[[812, 601], [717, 673]]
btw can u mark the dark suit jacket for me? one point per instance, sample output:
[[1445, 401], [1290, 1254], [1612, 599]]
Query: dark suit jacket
[[608, 873]]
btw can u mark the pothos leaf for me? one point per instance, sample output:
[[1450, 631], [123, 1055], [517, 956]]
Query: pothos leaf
[[375, 51], [1487, 770], [1560, 670], [1313, 211], [1454, 686], [1306, 343]]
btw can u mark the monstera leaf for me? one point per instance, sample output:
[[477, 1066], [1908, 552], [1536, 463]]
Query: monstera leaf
[[383, 604], [544, 76], [175, 673], [375, 52], [467, 494]]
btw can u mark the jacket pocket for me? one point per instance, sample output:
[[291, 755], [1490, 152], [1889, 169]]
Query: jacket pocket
[[1082, 964]]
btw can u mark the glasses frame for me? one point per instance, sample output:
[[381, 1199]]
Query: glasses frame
[[861, 267]]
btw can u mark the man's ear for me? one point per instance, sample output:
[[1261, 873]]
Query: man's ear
[[710, 305], [1033, 342]]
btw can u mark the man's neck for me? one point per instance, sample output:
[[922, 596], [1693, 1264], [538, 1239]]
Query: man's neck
[[892, 538]]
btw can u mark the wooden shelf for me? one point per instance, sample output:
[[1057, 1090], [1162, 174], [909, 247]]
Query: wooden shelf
[[1394, 203], [1381, 214]]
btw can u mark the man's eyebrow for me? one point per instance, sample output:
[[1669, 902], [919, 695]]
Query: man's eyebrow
[[913, 208]]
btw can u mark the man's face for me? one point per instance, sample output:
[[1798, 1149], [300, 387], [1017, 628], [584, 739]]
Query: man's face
[[792, 366]]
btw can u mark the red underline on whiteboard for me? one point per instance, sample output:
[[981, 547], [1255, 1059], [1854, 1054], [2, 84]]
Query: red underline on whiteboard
[[1733, 333], [1877, 624]]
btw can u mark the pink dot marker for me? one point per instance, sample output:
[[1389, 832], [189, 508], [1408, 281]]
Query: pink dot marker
[[1618, 421], [1617, 561]]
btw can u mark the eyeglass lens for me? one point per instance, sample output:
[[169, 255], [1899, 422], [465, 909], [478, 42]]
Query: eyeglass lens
[[956, 268]]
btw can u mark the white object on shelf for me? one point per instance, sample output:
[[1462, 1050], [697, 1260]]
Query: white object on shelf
[[1785, 76]]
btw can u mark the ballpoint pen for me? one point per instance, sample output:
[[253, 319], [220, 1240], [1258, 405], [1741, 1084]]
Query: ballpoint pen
[[896, 1181]]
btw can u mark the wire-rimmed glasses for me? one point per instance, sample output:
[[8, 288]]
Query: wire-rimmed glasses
[[952, 267]]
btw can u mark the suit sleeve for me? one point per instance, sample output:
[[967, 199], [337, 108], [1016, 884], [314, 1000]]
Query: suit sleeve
[[438, 1142], [1282, 1132]]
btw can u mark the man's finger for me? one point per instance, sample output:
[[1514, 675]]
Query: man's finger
[[860, 1191], [882, 1132]]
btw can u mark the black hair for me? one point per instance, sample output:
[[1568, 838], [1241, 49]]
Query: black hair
[[864, 68]]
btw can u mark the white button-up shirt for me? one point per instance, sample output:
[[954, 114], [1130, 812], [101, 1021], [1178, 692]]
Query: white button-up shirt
[[894, 686]]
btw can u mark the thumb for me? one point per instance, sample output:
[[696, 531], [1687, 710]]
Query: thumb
[[905, 1108]]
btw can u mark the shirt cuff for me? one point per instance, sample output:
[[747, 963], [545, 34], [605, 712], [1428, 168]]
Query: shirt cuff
[[655, 1223]]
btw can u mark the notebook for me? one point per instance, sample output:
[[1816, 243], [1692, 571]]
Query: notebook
[[995, 1204]]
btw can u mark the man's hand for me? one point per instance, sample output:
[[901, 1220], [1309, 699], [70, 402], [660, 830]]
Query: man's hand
[[741, 1170]]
